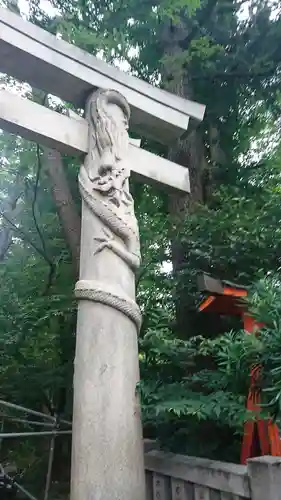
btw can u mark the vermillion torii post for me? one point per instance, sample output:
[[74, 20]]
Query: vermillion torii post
[[107, 454]]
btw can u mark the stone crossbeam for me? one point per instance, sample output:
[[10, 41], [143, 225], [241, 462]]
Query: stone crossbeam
[[68, 135], [37, 57]]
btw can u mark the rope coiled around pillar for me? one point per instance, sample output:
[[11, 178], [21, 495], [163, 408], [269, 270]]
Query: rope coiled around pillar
[[105, 294]]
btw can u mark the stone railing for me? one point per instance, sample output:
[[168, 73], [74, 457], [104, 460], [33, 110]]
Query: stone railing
[[179, 477]]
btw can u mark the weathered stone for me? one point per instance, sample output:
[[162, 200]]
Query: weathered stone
[[161, 487], [181, 490], [265, 478], [70, 135], [221, 476], [107, 458], [31, 54]]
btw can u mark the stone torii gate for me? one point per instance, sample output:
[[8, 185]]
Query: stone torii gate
[[107, 449]]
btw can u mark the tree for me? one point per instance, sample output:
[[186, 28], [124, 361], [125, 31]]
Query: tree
[[212, 54]]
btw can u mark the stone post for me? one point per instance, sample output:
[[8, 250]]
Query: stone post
[[265, 478], [107, 449]]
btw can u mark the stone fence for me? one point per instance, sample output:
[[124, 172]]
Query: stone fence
[[179, 477]]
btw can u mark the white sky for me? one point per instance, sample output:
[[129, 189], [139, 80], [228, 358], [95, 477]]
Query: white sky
[[51, 11], [44, 4]]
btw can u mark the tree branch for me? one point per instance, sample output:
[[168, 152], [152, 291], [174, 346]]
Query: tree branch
[[5, 241], [26, 238], [39, 167], [203, 16], [235, 74], [64, 202], [5, 231], [62, 195]]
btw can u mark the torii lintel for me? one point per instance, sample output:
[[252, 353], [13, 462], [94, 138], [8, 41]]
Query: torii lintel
[[35, 56]]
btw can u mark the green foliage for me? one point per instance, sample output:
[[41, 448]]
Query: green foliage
[[265, 306], [179, 401], [176, 9], [36, 292]]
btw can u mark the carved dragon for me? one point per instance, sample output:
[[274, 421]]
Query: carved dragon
[[104, 182], [104, 187]]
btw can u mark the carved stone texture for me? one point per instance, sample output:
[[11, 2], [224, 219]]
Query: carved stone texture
[[107, 455]]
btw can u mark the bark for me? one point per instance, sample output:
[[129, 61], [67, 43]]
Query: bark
[[5, 241], [8, 208], [190, 152], [62, 196], [64, 202]]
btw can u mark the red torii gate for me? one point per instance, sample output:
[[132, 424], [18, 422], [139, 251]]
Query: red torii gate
[[261, 437]]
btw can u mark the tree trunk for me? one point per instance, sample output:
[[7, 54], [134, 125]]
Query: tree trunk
[[64, 202], [62, 196], [189, 152], [8, 209]]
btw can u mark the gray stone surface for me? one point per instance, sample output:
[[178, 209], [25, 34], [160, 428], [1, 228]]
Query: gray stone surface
[[265, 478], [201, 493], [70, 135], [31, 54], [161, 487], [107, 456], [225, 477], [181, 490]]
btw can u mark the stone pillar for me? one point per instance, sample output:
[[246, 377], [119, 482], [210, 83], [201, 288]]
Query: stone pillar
[[107, 449], [265, 478]]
